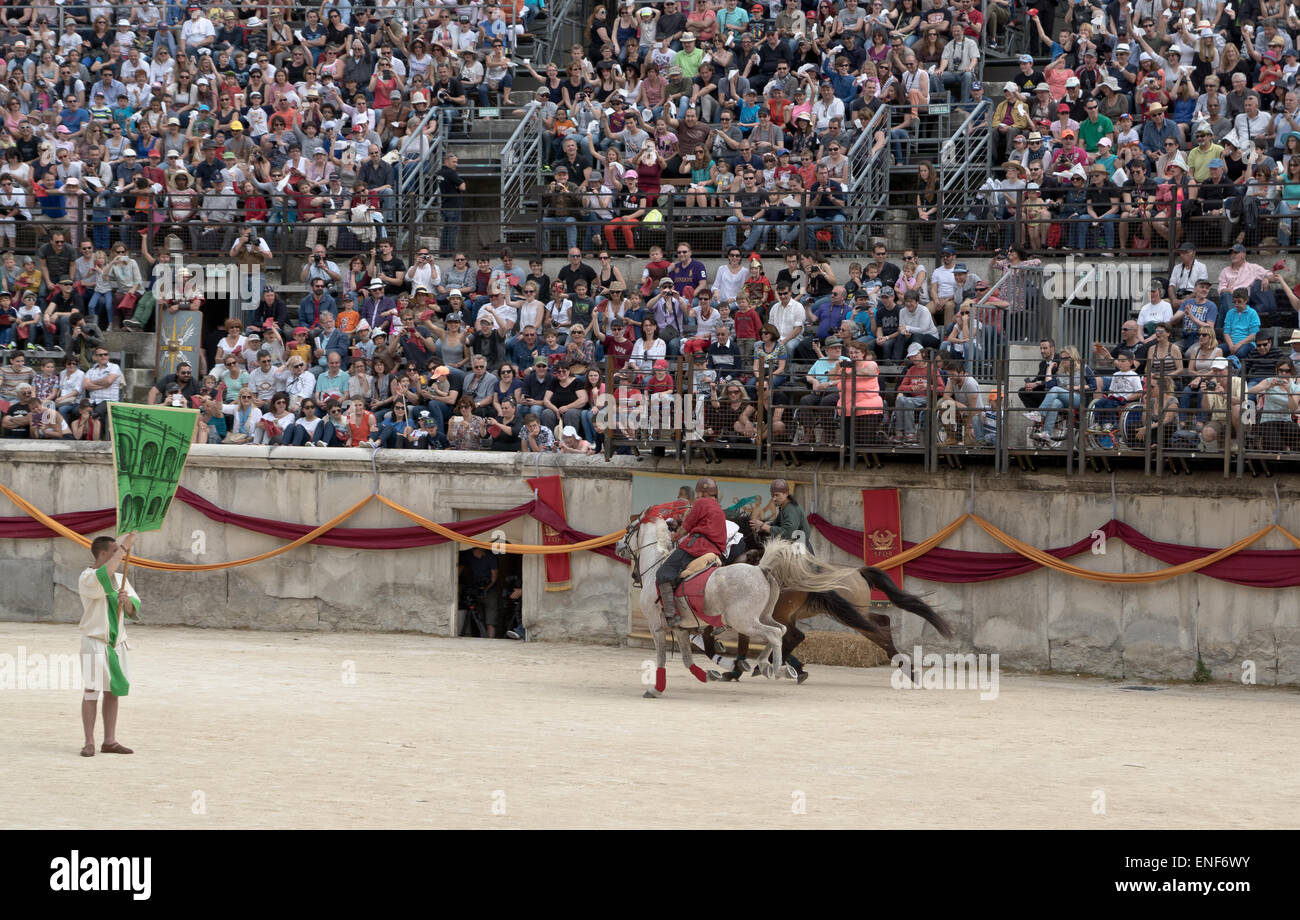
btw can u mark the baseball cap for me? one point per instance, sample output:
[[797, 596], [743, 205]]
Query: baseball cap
[[914, 349], [569, 431], [441, 370], [661, 365]]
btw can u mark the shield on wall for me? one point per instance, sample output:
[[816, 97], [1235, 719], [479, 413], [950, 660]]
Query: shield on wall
[[180, 335]]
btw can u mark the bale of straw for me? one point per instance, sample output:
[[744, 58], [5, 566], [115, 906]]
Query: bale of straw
[[840, 648]]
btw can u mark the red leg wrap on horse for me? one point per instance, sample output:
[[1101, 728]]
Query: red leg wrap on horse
[[699, 674], [661, 680]]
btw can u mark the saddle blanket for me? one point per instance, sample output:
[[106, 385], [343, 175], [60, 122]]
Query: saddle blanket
[[692, 588]]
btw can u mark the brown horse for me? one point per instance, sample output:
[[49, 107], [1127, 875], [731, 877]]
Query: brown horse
[[810, 587]]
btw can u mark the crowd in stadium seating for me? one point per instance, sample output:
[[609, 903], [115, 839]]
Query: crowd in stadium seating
[[747, 114], [1152, 125]]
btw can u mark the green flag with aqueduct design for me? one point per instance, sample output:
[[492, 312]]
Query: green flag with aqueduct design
[[150, 444]]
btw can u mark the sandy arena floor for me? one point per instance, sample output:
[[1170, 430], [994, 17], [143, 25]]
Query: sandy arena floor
[[246, 729]]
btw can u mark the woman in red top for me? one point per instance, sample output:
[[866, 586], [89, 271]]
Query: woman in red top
[[255, 207], [649, 171], [307, 204], [361, 422]]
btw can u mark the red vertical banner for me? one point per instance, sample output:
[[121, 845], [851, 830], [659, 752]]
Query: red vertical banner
[[550, 492], [882, 532]]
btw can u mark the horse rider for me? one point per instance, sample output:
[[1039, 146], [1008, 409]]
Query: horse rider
[[790, 519], [704, 530]]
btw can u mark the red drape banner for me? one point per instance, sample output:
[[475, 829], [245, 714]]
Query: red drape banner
[[882, 533], [22, 527], [550, 493], [1255, 568]]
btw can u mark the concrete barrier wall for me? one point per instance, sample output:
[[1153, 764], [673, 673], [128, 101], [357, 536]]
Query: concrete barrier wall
[[1037, 621]]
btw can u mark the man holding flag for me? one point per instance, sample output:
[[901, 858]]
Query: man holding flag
[[105, 597]]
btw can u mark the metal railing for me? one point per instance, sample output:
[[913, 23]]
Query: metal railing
[[562, 26], [418, 183], [931, 129], [1078, 418], [522, 158], [1015, 305], [963, 163], [869, 178]]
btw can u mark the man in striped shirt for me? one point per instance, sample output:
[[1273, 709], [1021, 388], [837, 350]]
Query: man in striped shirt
[[103, 384]]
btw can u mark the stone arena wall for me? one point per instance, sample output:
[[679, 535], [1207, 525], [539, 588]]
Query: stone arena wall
[[1039, 621]]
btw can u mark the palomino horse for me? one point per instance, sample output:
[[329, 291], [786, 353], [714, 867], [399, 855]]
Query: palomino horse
[[810, 587], [742, 595]]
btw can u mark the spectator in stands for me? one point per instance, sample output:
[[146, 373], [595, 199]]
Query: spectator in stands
[[921, 379], [561, 204], [1240, 327], [536, 438], [1185, 274], [181, 384], [1035, 388], [1196, 313], [1222, 401], [963, 400], [1069, 382], [1279, 403], [917, 323], [962, 338], [1241, 273], [103, 384]]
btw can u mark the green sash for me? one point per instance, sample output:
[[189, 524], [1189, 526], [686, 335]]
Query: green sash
[[118, 685]]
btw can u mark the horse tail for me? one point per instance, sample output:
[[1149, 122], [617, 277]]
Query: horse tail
[[906, 601], [843, 610]]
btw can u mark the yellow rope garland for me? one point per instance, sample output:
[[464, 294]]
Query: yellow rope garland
[[519, 548], [1137, 578], [522, 549]]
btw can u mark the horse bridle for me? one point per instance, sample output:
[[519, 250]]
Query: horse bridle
[[637, 574]]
